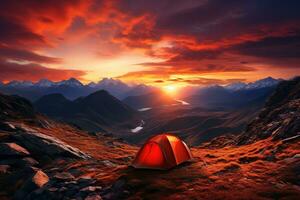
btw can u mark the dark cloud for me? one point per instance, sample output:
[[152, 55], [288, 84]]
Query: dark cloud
[[271, 47], [25, 55], [15, 34], [34, 72]]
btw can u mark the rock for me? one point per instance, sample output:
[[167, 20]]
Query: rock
[[4, 169], [63, 189], [93, 197], [30, 161], [297, 156], [84, 182], [108, 163], [5, 126], [53, 189], [91, 188], [19, 163], [75, 172], [280, 117], [43, 145], [290, 139], [40, 178], [64, 176], [126, 158], [12, 149], [36, 181]]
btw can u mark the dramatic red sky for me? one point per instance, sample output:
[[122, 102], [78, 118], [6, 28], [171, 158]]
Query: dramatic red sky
[[150, 41]]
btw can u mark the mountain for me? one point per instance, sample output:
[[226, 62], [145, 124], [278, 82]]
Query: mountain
[[262, 83], [21, 84], [54, 105], [236, 86], [45, 83], [15, 107], [95, 112], [138, 90], [235, 95], [72, 88], [280, 118], [72, 82], [153, 99], [116, 87]]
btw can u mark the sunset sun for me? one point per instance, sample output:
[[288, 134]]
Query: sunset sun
[[170, 89]]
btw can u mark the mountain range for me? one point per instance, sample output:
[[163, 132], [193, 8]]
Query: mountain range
[[72, 88], [234, 95], [41, 158], [98, 111]]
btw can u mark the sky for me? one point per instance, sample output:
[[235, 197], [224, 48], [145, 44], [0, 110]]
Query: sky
[[159, 42]]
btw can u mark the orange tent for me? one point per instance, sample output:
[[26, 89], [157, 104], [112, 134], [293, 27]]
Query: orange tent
[[162, 151]]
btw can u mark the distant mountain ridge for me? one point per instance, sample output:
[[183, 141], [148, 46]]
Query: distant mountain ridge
[[262, 83], [72, 88], [234, 95]]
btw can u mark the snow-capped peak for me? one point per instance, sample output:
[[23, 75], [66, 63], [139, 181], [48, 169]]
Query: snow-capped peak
[[71, 82], [20, 84], [110, 81], [262, 83], [266, 82], [236, 86], [45, 83]]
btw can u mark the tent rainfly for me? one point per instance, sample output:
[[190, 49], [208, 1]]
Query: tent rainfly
[[162, 151]]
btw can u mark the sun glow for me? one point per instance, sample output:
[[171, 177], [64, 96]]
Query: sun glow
[[170, 89]]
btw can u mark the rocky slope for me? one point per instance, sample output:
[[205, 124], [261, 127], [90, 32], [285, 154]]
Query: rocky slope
[[280, 117], [34, 150]]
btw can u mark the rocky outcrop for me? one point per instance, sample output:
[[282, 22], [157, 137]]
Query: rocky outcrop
[[41, 145], [280, 118], [37, 180], [12, 149]]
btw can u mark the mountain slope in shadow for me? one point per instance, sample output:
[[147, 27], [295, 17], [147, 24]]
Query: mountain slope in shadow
[[96, 112]]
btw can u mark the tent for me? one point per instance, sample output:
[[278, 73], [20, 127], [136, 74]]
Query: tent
[[162, 151]]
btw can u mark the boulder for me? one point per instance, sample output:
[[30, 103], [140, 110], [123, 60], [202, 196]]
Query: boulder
[[41, 145], [5, 126], [30, 161], [34, 182], [12, 149], [91, 188], [64, 176]]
